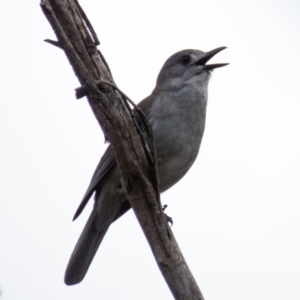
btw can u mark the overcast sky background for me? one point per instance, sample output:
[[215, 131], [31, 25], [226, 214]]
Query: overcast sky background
[[236, 213]]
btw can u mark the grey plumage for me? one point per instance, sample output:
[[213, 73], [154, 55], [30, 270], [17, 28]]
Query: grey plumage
[[176, 111]]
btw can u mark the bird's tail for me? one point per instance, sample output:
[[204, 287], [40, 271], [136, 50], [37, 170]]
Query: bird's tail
[[85, 250]]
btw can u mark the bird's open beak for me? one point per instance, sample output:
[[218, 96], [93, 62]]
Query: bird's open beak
[[203, 60]]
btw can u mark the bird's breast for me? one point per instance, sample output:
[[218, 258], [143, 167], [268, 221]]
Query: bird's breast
[[177, 129]]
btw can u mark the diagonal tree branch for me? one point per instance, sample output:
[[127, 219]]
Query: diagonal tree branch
[[77, 38]]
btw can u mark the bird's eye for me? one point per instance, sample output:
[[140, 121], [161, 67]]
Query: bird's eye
[[185, 59]]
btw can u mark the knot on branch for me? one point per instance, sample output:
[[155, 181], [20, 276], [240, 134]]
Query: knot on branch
[[83, 91]]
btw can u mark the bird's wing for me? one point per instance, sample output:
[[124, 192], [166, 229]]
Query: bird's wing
[[106, 162]]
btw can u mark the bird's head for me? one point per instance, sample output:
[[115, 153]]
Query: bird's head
[[187, 66]]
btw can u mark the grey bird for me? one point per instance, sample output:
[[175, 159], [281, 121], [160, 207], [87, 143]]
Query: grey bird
[[176, 111]]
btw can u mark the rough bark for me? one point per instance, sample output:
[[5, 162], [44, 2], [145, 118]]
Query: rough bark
[[78, 40]]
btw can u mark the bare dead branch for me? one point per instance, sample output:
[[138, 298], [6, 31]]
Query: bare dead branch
[[138, 171]]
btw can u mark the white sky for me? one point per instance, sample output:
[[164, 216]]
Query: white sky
[[236, 213]]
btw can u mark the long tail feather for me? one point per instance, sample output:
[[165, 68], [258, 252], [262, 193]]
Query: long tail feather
[[84, 251]]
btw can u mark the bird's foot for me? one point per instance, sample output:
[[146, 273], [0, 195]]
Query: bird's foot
[[169, 219]]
